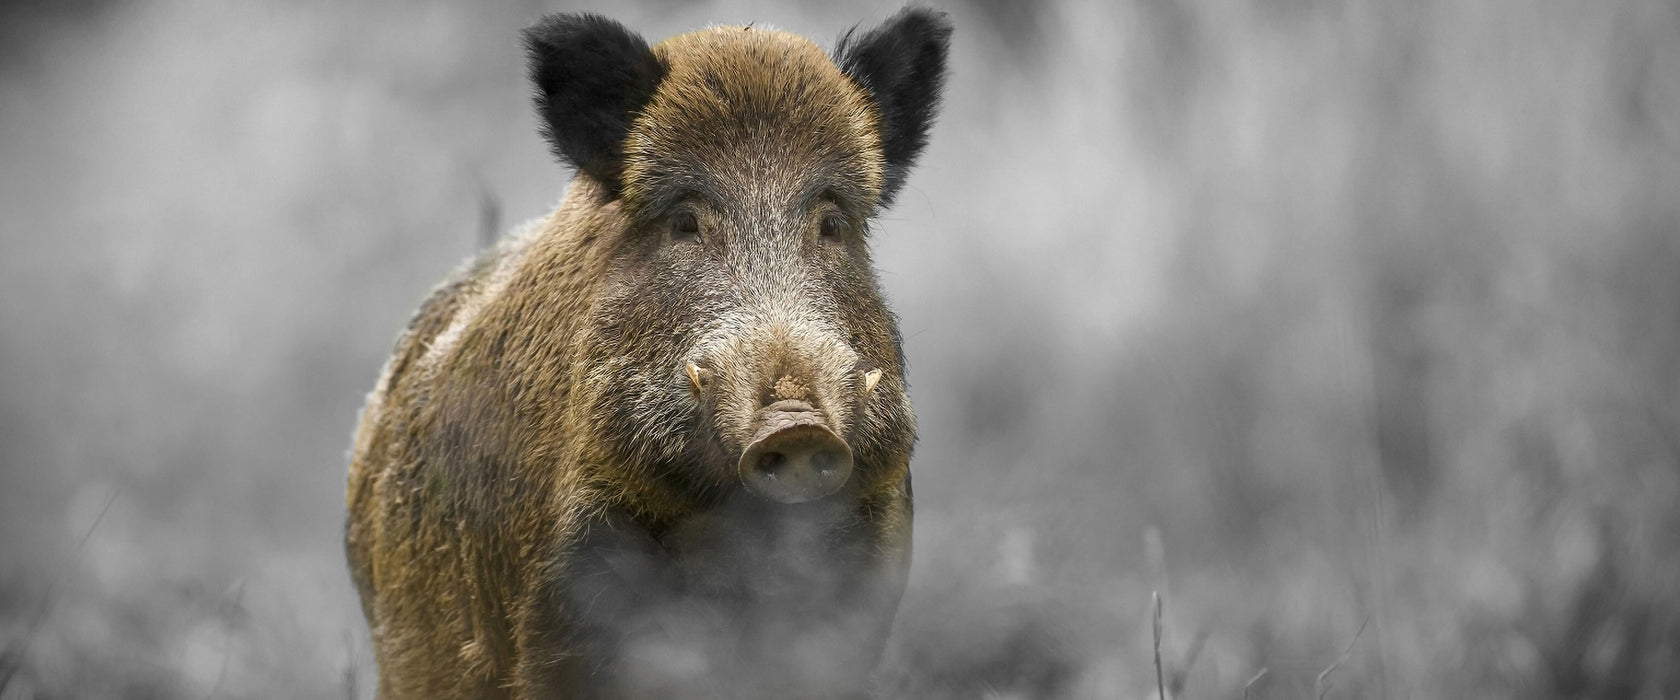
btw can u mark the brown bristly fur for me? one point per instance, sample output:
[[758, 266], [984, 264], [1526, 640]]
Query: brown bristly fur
[[540, 398]]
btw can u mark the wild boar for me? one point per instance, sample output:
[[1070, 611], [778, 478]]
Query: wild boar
[[657, 443]]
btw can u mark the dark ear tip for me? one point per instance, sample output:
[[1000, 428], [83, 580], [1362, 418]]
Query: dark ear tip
[[580, 33], [930, 22], [560, 25], [911, 26], [548, 29]]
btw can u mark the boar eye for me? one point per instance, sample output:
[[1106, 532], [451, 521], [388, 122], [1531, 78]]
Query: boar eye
[[831, 225], [684, 225]]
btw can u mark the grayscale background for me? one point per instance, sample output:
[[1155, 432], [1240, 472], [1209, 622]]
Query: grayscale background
[[1309, 315]]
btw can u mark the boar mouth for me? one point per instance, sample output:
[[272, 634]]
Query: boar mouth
[[794, 456]]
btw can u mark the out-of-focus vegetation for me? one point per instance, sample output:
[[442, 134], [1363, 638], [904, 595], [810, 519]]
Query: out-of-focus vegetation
[[1302, 313]]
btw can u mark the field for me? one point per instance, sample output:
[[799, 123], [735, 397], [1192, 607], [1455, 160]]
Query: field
[[1350, 330]]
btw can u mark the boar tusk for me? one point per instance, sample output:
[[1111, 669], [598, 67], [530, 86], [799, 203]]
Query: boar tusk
[[870, 379], [694, 377]]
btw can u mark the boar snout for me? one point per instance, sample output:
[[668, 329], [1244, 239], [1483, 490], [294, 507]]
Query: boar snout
[[794, 456]]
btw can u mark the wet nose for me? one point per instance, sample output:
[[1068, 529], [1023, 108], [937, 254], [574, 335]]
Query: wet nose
[[794, 456]]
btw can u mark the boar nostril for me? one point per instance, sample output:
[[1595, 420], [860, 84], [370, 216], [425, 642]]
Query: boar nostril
[[771, 462], [825, 462]]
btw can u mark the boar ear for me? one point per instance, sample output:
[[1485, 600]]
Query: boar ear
[[590, 76], [902, 65]]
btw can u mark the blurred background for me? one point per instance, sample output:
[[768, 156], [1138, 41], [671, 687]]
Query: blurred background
[[1351, 328]]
